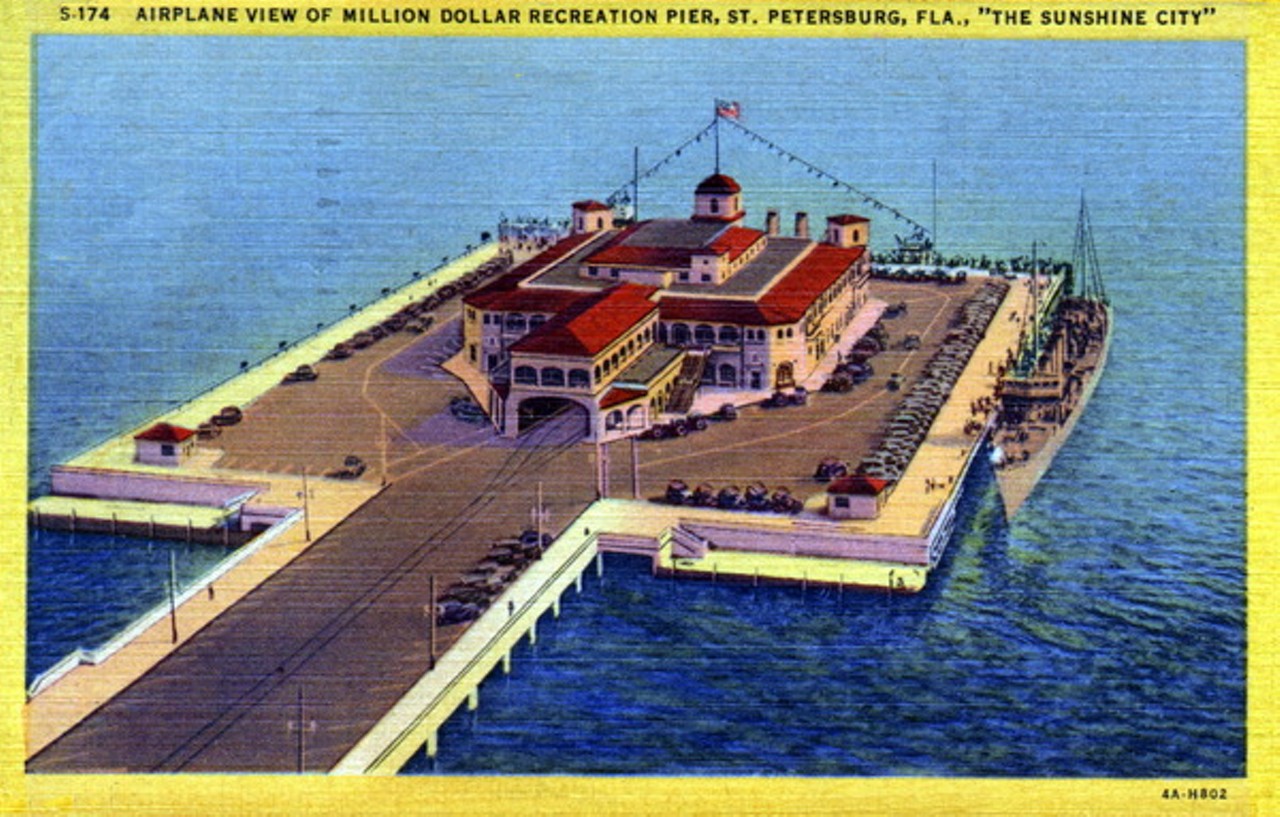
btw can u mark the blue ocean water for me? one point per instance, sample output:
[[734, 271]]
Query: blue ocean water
[[200, 199]]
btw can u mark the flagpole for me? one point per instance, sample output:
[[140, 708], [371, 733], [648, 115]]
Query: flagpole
[[716, 114]]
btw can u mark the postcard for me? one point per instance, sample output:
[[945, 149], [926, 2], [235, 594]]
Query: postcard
[[728, 407]]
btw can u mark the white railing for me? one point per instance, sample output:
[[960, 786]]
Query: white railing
[[139, 625]]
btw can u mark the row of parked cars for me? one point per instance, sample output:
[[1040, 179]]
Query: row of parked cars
[[414, 318], [684, 426], [937, 275], [227, 416], [910, 423], [467, 598], [731, 498]]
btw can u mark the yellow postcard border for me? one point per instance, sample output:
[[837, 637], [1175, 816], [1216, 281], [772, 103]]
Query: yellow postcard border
[[1255, 23]]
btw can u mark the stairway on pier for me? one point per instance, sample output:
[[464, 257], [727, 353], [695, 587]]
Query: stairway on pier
[[687, 381]]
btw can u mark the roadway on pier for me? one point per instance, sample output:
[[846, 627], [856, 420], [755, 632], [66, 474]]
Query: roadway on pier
[[343, 623]]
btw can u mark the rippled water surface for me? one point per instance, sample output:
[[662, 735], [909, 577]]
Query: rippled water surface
[[198, 200]]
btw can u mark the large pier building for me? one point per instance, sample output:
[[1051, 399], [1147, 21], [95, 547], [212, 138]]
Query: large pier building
[[624, 323]]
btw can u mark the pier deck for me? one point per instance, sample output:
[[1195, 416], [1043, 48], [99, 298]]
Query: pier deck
[[342, 625], [344, 622]]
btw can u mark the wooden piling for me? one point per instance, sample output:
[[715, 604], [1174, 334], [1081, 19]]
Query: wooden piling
[[635, 468], [431, 628], [173, 595]]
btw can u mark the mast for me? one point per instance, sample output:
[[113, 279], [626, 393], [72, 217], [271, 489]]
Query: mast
[[635, 184], [1084, 258], [933, 227], [1035, 310]]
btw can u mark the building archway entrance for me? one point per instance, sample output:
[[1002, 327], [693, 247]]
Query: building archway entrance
[[572, 415]]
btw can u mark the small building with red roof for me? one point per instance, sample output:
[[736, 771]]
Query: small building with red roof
[[604, 321], [857, 496], [163, 444], [591, 216]]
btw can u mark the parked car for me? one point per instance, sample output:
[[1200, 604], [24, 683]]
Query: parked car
[[728, 412], [678, 492], [830, 468], [302, 374], [228, 416]]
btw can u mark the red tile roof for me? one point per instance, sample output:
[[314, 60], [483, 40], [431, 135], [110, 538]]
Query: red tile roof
[[847, 218], [506, 295], [859, 485], [735, 241], [713, 310], [164, 433], [718, 183], [621, 255], [592, 323], [525, 299], [619, 395], [785, 302], [591, 206]]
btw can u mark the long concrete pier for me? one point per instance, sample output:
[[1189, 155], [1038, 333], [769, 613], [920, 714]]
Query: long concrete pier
[[321, 659]]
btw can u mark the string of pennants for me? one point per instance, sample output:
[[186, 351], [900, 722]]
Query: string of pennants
[[818, 172], [622, 195]]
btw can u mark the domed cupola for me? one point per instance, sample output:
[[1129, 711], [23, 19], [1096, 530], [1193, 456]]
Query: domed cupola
[[718, 198]]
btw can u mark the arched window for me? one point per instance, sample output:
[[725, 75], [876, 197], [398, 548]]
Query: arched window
[[579, 379], [714, 204], [728, 374], [515, 322], [551, 376], [728, 334], [597, 373], [536, 320], [662, 333], [526, 375], [635, 417], [614, 420], [679, 334], [704, 334]]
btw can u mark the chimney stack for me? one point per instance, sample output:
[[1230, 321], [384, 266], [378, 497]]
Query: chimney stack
[[771, 222], [802, 225]]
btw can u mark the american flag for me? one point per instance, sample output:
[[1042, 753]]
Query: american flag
[[729, 110]]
